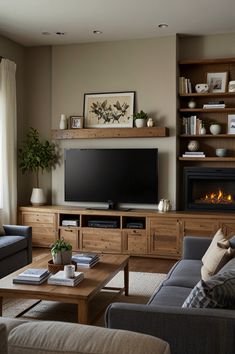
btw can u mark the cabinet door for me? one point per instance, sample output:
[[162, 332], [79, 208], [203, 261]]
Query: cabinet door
[[135, 241], [43, 227], [71, 235], [165, 237], [101, 240], [199, 227]]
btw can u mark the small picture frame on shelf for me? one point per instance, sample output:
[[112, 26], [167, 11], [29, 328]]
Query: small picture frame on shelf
[[217, 82], [76, 122], [231, 123]]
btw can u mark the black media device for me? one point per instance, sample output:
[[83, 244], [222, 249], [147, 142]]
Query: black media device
[[111, 176]]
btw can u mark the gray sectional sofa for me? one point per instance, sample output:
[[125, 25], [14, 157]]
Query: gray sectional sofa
[[15, 248], [187, 330]]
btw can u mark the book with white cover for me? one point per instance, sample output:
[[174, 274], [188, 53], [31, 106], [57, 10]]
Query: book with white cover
[[85, 257], [59, 279], [34, 273]]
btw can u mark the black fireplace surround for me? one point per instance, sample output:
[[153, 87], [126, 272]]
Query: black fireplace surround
[[209, 189]]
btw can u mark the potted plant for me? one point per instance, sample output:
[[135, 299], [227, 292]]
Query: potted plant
[[34, 156], [61, 252], [140, 119]]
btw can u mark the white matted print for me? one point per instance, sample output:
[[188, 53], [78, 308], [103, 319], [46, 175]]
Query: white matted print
[[109, 110], [217, 82], [231, 123]]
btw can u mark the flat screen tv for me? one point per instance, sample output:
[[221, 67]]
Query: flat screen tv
[[111, 176]]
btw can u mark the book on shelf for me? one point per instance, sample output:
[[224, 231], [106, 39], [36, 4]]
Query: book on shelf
[[60, 279], [185, 85], [191, 125], [194, 155], [213, 106]]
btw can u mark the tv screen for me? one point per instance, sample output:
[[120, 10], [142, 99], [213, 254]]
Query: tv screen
[[111, 175]]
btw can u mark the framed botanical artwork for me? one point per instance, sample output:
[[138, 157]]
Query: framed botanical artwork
[[109, 109], [217, 82], [231, 123], [76, 122]]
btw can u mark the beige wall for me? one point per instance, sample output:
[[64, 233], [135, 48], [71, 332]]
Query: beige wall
[[38, 106], [145, 66]]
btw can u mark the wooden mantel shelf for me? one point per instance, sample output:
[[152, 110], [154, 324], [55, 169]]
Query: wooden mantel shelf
[[109, 133]]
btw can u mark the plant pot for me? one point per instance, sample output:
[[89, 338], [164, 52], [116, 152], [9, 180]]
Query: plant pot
[[140, 123], [38, 197], [64, 257]]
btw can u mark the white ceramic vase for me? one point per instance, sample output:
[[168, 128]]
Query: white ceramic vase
[[64, 257], [38, 197], [215, 129], [63, 121]]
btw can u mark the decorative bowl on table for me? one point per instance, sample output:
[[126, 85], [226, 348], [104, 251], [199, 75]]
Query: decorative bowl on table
[[54, 268]]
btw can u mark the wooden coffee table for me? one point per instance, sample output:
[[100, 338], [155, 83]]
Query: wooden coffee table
[[95, 279]]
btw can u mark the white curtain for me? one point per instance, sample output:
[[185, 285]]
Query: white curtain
[[8, 142]]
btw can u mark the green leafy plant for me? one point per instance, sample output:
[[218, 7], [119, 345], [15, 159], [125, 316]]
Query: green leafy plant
[[140, 115], [36, 155], [60, 245]]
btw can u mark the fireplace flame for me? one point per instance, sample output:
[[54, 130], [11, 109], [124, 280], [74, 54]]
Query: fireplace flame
[[217, 198]]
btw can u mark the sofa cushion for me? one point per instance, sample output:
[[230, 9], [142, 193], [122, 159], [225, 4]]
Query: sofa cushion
[[217, 255], [3, 339], [217, 292], [11, 244], [170, 296], [185, 273], [60, 337], [230, 265]]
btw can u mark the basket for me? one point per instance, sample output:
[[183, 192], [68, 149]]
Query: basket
[[54, 268]]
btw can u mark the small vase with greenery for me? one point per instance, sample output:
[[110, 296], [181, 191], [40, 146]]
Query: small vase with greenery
[[61, 252], [35, 156], [140, 119]]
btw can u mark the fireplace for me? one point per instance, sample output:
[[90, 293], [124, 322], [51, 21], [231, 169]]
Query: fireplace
[[209, 189]]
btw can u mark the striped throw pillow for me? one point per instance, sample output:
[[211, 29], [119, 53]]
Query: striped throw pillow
[[217, 292]]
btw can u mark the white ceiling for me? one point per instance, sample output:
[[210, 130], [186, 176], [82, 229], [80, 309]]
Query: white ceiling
[[24, 20]]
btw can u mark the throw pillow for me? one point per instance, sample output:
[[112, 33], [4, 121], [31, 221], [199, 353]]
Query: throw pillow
[[218, 292], [217, 255]]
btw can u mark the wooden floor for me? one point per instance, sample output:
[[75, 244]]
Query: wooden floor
[[136, 264]]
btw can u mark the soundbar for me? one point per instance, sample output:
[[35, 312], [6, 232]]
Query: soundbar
[[107, 224]]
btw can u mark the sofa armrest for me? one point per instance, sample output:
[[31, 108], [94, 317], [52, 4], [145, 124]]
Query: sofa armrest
[[196, 331], [19, 230], [195, 247]]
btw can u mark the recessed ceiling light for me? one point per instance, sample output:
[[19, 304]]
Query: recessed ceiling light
[[46, 33], [163, 25], [97, 32], [60, 33]]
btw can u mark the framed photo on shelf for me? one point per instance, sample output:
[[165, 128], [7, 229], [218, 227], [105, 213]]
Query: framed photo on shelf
[[217, 82], [76, 122], [109, 109], [231, 123]]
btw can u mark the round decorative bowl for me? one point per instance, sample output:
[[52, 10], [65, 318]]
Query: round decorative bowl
[[54, 268], [221, 152], [193, 145]]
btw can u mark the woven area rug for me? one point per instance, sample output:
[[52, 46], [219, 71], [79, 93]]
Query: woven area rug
[[141, 287]]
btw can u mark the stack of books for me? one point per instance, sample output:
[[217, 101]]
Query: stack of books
[[60, 279], [191, 125], [33, 276], [86, 260], [194, 154], [185, 85], [214, 105]]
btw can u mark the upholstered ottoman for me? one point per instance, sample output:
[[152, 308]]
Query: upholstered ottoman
[[62, 337]]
